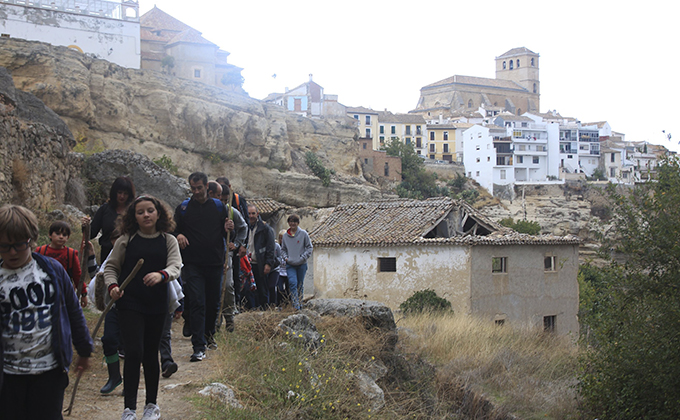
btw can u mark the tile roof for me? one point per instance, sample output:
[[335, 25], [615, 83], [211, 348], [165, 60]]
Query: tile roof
[[360, 110], [267, 205], [388, 117], [158, 19], [408, 222], [191, 36], [477, 81], [516, 51]]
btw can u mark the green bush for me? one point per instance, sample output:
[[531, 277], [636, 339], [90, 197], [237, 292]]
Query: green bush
[[522, 226], [425, 301], [317, 168], [166, 163]]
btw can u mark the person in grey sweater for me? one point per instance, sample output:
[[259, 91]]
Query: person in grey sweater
[[296, 249]]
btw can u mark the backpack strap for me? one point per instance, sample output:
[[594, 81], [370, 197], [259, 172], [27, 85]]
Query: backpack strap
[[183, 207]]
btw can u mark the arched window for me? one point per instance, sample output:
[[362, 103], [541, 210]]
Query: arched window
[[532, 62], [503, 65], [518, 63], [511, 64], [387, 169], [534, 87], [470, 103], [519, 111]]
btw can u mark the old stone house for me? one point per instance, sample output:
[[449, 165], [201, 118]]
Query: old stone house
[[386, 250], [173, 47]]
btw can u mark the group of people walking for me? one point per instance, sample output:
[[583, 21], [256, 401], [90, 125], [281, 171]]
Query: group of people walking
[[225, 255]]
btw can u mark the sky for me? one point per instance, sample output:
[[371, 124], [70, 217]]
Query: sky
[[599, 60]]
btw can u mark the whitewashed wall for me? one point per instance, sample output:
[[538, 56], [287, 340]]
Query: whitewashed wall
[[109, 39]]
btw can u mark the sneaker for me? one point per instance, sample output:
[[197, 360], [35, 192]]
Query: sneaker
[[169, 369], [129, 415], [186, 329], [151, 412], [210, 340], [197, 356]]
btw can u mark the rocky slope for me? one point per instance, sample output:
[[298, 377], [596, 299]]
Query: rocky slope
[[259, 146]]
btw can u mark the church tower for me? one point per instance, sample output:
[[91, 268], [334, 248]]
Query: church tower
[[521, 66]]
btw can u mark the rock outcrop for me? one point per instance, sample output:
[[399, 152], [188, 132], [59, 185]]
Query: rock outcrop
[[259, 146], [36, 168]]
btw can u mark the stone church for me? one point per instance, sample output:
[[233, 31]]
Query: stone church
[[516, 89]]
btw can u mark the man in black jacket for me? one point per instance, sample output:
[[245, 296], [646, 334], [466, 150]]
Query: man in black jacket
[[202, 224], [261, 250]]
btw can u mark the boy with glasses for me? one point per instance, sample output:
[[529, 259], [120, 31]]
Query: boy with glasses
[[39, 319]]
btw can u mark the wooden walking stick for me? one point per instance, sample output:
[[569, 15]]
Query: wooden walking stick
[[129, 278], [84, 274], [226, 263]]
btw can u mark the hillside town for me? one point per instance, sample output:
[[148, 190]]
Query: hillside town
[[493, 128]]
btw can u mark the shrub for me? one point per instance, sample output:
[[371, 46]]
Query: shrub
[[425, 301], [317, 168], [166, 163], [522, 226]]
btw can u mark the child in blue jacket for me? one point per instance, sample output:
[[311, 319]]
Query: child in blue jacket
[[39, 319]]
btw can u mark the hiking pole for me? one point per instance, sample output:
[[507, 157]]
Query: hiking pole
[[129, 278], [226, 263]]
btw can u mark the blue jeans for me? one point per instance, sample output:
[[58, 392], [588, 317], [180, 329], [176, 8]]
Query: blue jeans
[[296, 283], [202, 288]]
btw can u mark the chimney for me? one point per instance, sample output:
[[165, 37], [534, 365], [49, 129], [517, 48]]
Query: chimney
[[286, 89], [310, 77], [441, 119]]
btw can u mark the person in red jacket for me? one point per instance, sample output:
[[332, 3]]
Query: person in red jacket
[[60, 231]]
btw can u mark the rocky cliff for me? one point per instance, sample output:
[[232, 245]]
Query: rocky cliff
[[259, 146]]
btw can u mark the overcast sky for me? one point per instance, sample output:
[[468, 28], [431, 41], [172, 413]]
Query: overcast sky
[[600, 60]]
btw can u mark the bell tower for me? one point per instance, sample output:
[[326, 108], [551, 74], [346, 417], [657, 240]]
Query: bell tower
[[521, 66]]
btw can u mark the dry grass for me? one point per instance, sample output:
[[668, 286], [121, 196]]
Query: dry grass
[[521, 370]]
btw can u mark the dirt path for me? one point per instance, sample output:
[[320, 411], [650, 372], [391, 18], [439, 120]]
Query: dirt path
[[173, 394]]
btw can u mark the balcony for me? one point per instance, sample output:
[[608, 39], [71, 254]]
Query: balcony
[[121, 10]]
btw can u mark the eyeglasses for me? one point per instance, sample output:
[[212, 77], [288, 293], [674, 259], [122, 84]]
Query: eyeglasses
[[18, 247]]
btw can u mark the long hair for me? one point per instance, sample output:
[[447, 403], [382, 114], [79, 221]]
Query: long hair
[[165, 222], [122, 183]]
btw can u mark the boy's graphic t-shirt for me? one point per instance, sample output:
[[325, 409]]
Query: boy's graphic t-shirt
[[26, 298]]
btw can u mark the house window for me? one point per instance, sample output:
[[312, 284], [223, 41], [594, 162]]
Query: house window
[[364, 145], [518, 63], [504, 65], [431, 135], [356, 117], [366, 161], [502, 173], [197, 73], [477, 147], [368, 133], [394, 129], [511, 64], [477, 173], [488, 158], [446, 135], [419, 142], [387, 265], [536, 159], [408, 130], [549, 323], [534, 85], [550, 263], [446, 148], [408, 140], [418, 131], [520, 159], [382, 139], [517, 134], [499, 322], [469, 174], [612, 172], [613, 158], [532, 62], [368, 120], [387, 173], [382, 129], [470, 103], [478, 160], [499, 264], [432, 148]]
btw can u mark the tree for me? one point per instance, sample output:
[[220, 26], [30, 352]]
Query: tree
[[632, 312], [416, 182]]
